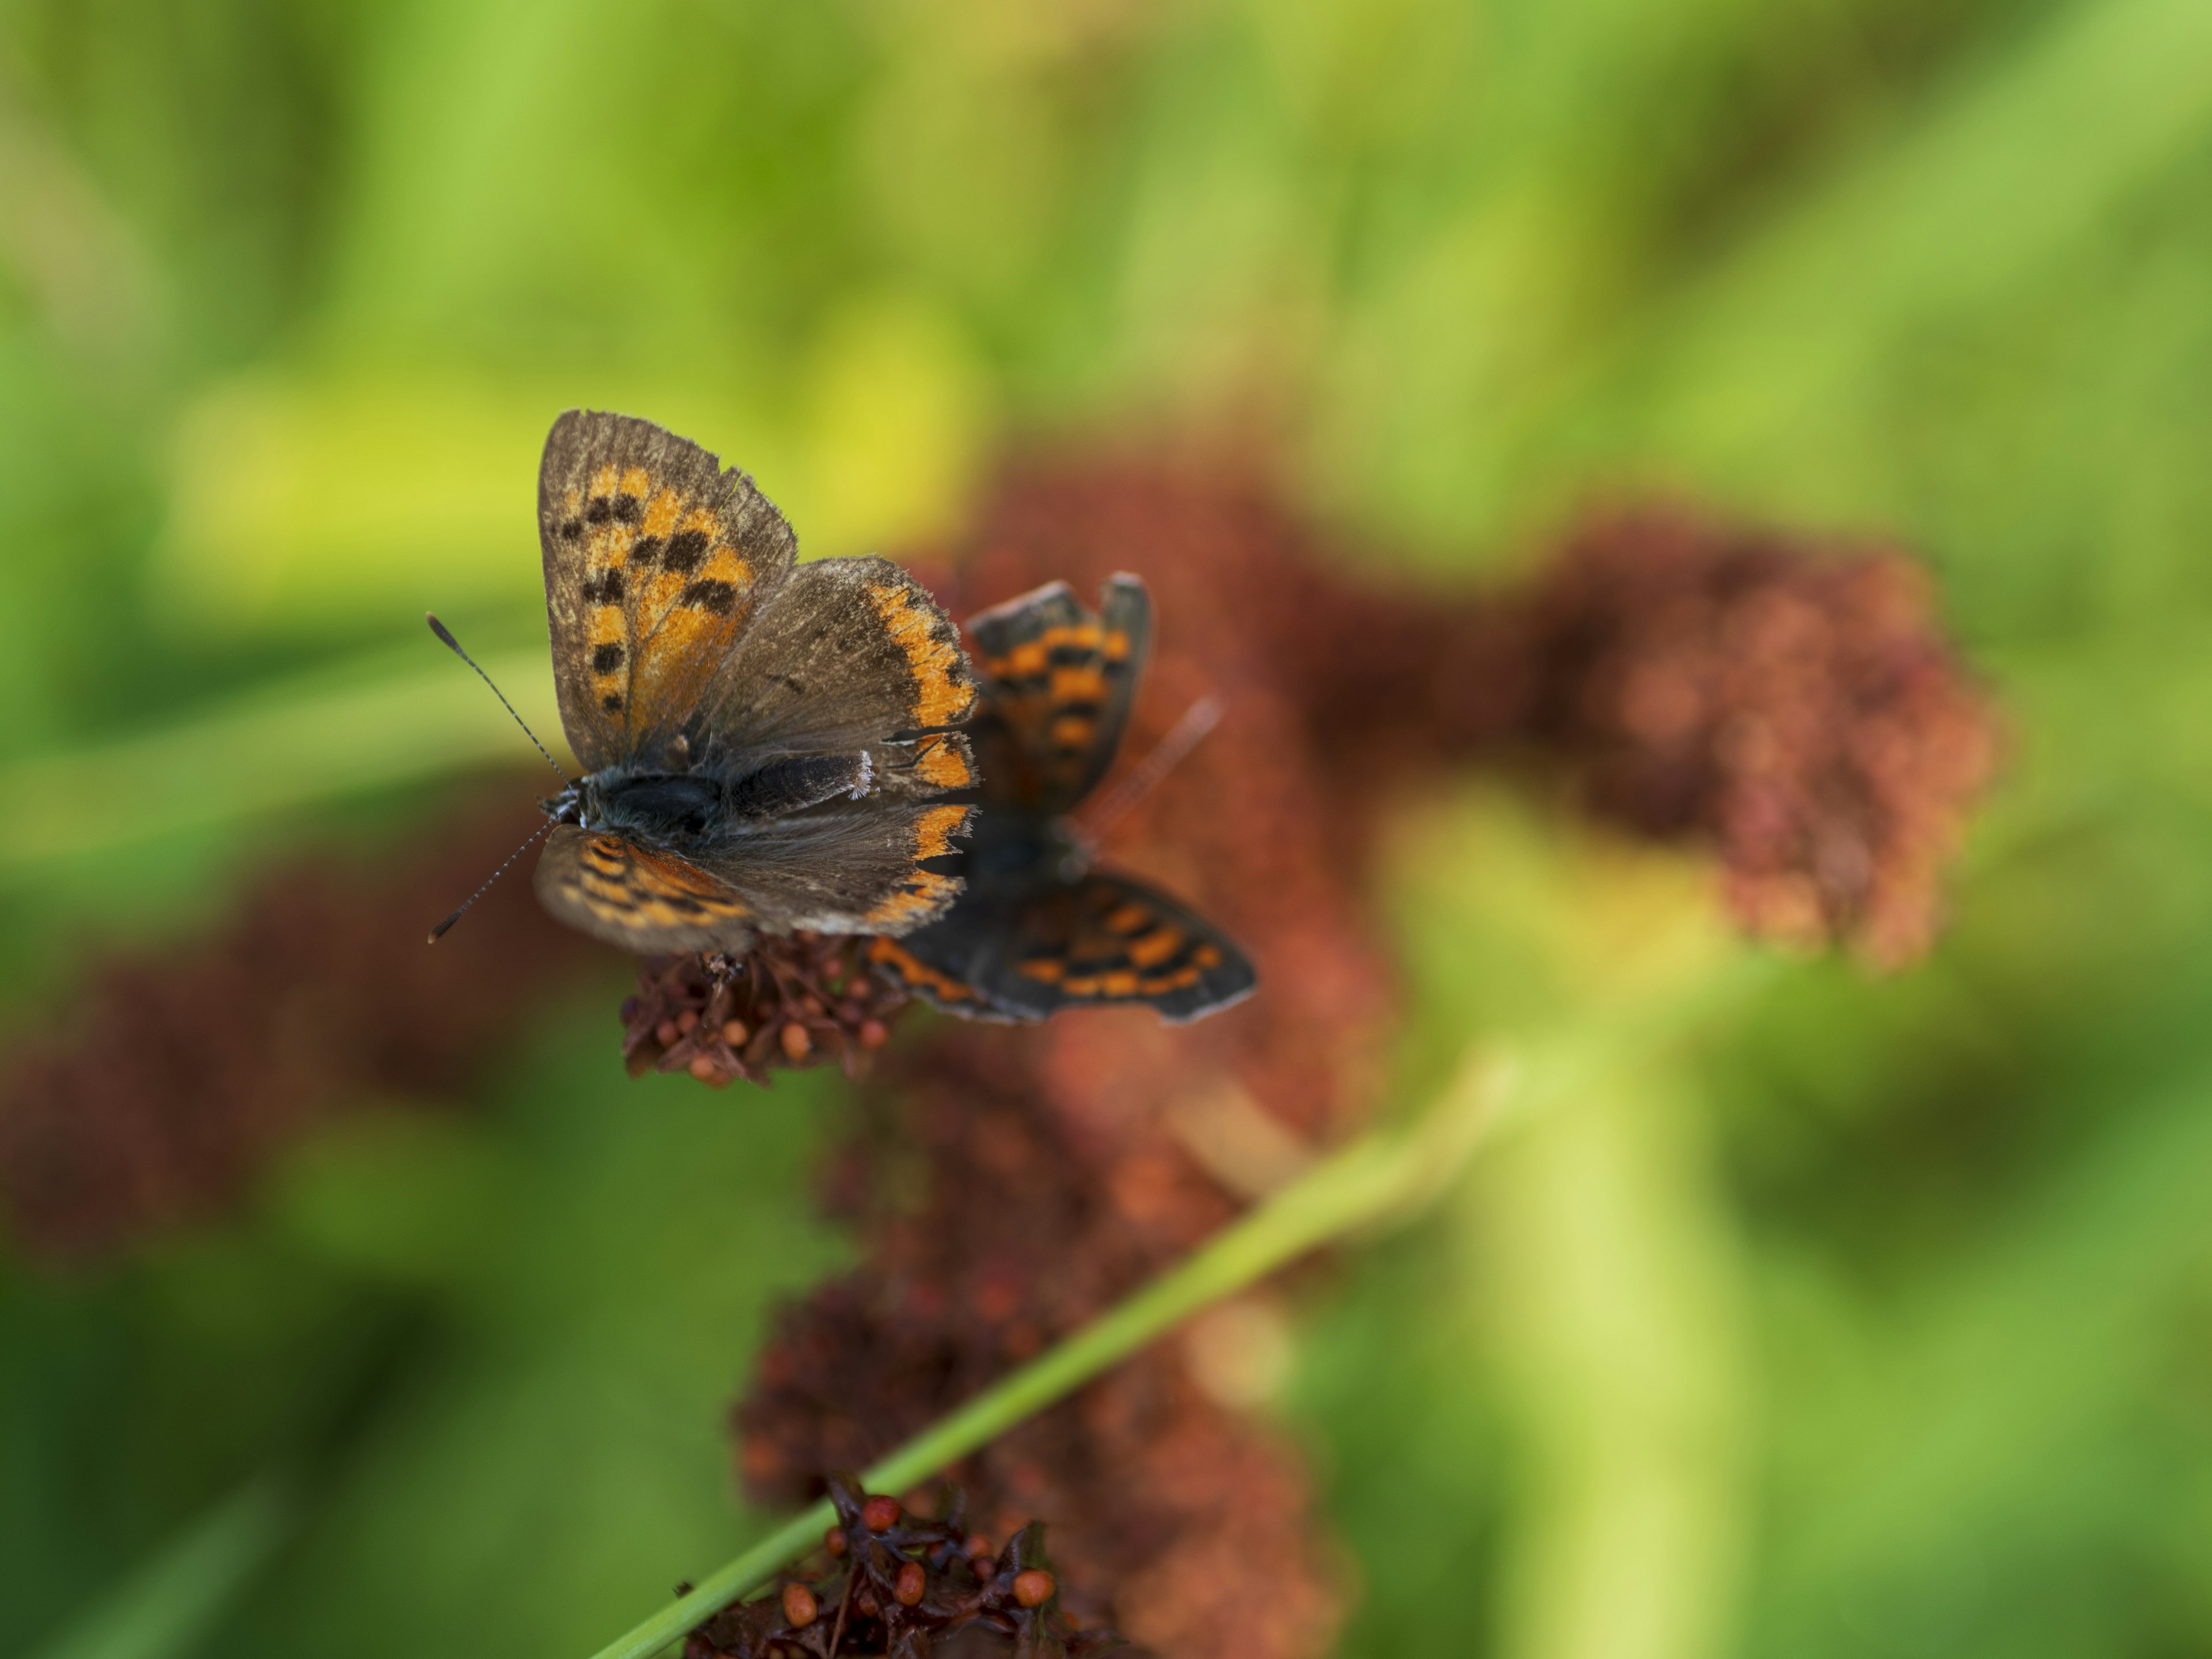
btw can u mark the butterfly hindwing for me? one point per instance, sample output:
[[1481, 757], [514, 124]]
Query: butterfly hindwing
[[1062, 680], [656, 563], [886, 864], [641, 899], [1100, 939]]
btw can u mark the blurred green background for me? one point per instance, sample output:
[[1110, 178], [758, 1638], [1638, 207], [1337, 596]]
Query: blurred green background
[[1880, 1323]]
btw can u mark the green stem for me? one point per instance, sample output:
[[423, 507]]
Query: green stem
[[1385, 1174]]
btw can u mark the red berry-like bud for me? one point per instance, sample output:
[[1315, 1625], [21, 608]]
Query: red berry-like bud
[[796, 1042], [833, 1541], [798, 1606], [1033, 1589], [880, 1514], [977, 1545], [912, 1580]]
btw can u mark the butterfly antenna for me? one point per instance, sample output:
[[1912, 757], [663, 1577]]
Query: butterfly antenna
[[439, 931], [1201, 717], [454, 646]]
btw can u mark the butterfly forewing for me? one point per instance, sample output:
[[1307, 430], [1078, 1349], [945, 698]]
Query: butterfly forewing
[[656, 563], [848, 654], [1062, 680]]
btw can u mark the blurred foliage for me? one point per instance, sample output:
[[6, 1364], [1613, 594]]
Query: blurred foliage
[[1882, 1326]]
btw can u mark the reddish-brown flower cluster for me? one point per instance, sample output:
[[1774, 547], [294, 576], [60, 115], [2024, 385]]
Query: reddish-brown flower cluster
[[1796, 709], [891, 1581], [161, 1088], [1792, 706], [1196, 1522], [786, 1002]]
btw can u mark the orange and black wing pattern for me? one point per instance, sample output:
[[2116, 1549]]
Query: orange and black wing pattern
[[656, 561], [641, 899], [1100, 940], [1060, 680]]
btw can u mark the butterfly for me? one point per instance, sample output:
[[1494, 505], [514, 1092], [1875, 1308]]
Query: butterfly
[[1037, 929], [768, 748]]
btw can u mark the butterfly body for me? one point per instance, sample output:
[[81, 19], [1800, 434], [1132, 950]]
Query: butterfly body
[[1038, 927], [712, 808], [768, 748]]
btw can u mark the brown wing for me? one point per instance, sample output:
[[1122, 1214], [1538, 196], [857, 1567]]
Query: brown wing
[[884, 864], [656, 561], [1061, 681], [847, 654], [636, 897]]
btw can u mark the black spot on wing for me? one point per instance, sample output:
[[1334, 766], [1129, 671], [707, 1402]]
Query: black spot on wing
[[717, 597], [685, 549], [605, 588], [607, 658], [572, 530], [599, 510], [645, 550], [628, 508], [612, 703]]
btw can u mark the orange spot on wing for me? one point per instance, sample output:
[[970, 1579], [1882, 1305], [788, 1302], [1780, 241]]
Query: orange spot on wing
[[1207, 956], [636, 480], [1116, 648], [943, 765], [605, 480], [1078, 685], [887, 954], [1156, 946], [943, 694], [924, 893], [660, 513], [725, 565], [1127, 918], [1046, 971], [1024, 662], [933, 835]]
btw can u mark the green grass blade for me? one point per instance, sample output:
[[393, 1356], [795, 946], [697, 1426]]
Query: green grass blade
[[170, 1605]]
